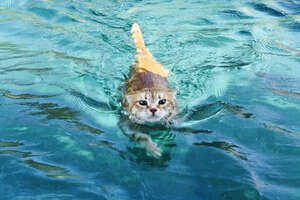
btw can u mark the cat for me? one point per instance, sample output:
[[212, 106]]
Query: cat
[[148, 96]]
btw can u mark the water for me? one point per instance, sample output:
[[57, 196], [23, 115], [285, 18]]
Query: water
[[236, 68]]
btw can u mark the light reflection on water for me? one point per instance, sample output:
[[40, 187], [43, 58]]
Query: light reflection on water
[[235, 67]]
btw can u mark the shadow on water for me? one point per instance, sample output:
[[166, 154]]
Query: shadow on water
[[245, 193], [159, 133], [106, 144], [23, 96], [50, 170], [286, 93], [16, 153], [276, 128], [10, 144], [39, 70], [228, 64], [12, 152], [267, 10], [22, 56], [77, 60], [113, 23], [199, 112], [16, 52], [188, 130], [139, 155], [11, 48], [110, 145], [136, 154], [235, 14], [238, 110], [206, 111], [225, 146], [52, 111]]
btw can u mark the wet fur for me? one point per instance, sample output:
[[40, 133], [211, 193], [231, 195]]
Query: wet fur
[[148, 82]]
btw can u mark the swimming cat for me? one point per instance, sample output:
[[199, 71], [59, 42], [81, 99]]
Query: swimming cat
[[148, 96]]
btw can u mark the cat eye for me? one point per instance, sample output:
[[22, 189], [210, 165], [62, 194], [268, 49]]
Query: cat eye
[[161, 102], [143, 102]]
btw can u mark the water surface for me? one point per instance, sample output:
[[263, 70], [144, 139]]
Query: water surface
[[236, 69]]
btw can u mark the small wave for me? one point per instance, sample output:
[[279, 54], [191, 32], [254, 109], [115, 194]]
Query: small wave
[[268, 10], [225, 146]]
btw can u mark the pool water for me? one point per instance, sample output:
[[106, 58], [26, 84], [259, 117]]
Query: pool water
[[236, 69]]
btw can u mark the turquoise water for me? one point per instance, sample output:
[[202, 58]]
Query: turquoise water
[[236, 68]]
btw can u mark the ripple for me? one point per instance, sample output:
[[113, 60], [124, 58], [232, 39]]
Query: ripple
[[54, 111], [46, 13], [50, 170], [234, 14], [16, 153], [293, 26], [10, 144], [85, 127], [190, 130], [76, 60], [277, 128], [286, 93], [23, 96], [242, 194], [21, 69], [206, 111], [291, 5], [268, 10], [92, 102], [225, 146], [110, 145], [237, 110]]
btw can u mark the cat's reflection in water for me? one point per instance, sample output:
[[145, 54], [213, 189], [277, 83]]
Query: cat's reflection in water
[[152, 139]]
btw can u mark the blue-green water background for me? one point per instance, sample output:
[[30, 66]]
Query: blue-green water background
[[235, 65]]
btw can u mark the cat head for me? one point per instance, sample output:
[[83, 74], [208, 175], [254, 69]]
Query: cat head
[[151, 105]]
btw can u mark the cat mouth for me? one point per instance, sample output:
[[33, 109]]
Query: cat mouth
[[154, 115], [154, 118]]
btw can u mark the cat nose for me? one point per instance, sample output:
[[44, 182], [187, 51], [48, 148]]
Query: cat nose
[[153, 110]]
